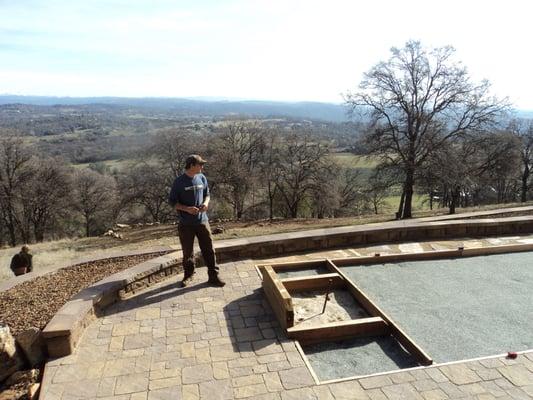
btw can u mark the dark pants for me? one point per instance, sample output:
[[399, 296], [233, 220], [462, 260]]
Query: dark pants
[[187, 233]]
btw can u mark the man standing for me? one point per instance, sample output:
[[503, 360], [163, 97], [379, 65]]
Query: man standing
[[190, 197]]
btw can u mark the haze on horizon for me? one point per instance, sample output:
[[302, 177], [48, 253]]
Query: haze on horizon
[[257, 49]]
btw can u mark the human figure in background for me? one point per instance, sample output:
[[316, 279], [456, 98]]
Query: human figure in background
[[190, 197], [21, 263]]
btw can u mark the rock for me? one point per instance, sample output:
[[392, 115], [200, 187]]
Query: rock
[[33, 391], [217, 230], [10, 360], [122, 226], [12, 394], [23, 376], [32, 344]]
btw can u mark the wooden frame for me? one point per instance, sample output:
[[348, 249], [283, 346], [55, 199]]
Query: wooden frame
[[377, 324]]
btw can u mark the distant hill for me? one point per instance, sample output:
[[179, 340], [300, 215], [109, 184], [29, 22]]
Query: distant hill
[[195, 107]]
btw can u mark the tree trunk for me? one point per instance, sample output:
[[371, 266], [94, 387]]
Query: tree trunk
[[38, 231], [294, 210], [453, 202], [408, 188], [270, 202], [400, 207], [11, 229], [525, 178]]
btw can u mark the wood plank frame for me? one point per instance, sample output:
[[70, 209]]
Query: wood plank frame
[[315, 282], [294, 265], [278, 293], [432, 255], [346, 329], [364, 327], [409, 344], [278, 297]]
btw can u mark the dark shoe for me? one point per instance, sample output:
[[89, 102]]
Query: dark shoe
[[216, 281], [187, 280]]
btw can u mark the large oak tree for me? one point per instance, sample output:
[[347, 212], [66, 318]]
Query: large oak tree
[[416, 101]]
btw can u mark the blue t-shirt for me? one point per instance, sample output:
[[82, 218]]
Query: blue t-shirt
[[189, 192]]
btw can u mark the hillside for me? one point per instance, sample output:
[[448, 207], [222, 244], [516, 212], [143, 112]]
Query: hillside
[[196, 108]]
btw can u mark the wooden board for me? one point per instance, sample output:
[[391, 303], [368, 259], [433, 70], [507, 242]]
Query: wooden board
[[389, 258], [374, 326], [278, 297], [295, 265], [422, 357], [313, 282]]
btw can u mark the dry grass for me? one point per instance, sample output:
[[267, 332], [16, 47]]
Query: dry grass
[[52, 255]]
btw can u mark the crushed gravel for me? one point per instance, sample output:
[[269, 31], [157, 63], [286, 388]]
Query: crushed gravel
[[34, 303]]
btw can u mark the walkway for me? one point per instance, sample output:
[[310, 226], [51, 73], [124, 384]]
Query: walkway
[[212, 343]]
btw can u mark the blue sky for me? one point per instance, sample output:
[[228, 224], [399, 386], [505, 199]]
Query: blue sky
[[253, 49]]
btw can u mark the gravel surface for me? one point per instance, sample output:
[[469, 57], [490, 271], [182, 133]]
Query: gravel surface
[[457, 309], [35, 302], [356, 357]]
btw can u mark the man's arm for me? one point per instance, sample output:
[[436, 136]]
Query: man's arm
[[205, 205], [188, 209], [173, 200]]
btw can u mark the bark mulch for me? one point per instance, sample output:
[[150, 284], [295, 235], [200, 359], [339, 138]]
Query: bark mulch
[[34, 303]]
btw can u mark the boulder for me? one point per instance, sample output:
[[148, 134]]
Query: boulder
[[23, 377], [217, 230], [13, 394], [10, 359], [32, 344]]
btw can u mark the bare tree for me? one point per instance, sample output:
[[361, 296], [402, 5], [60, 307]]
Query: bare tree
[[378, 187], [46, 195], [14, 172], [147, 185], [269, 168], [171, 147], [300, 158], [418, 100], [95, 199], [500, 164], [234, 166], [523, 129]]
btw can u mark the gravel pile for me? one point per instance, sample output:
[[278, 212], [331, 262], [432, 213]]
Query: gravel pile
[[34, 303]]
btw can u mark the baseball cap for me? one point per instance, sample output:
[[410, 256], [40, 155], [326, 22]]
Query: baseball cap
[[194, 159]]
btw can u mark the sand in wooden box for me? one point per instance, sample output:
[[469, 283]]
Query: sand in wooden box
[[309, 307]]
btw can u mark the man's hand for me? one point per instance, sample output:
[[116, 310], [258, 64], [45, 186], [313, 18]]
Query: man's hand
[[191, 210], [203, 207]]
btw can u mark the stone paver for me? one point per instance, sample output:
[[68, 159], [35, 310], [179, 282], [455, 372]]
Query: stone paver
[[211, 343]]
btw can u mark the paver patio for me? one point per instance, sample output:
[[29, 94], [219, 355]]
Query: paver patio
[[211, 343]]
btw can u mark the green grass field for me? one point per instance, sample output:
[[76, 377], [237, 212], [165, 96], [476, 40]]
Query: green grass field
[[356, 161]]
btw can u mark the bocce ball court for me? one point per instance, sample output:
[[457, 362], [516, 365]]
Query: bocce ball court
[[361, 316]]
